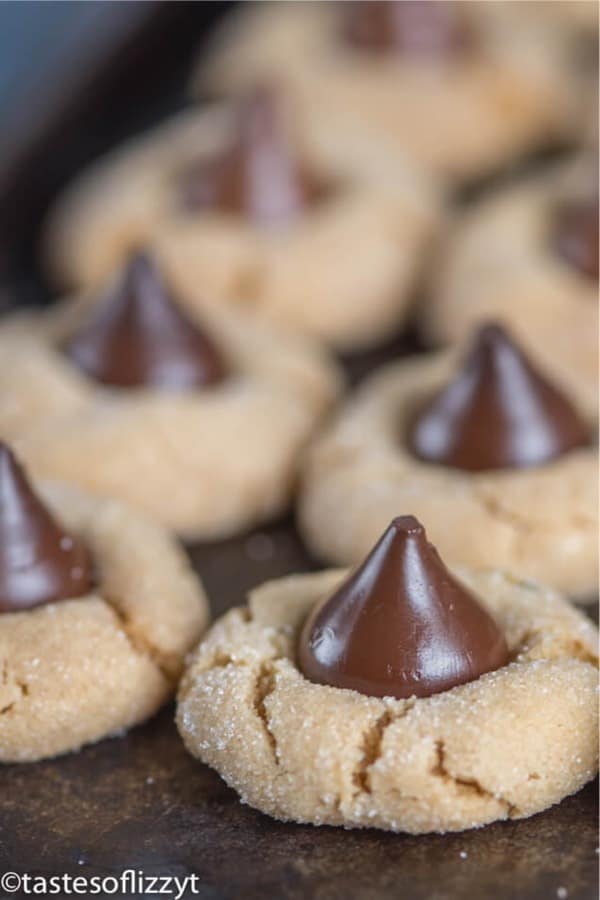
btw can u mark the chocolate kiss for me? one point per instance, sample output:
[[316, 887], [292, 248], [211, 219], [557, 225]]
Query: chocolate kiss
[[137, 336], [39, 561], [400, 625], [497, 412], [412, 27], [259, 176], [576, 236]]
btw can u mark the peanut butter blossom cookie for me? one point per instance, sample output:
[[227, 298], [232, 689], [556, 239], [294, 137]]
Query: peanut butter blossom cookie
[[199, 423], [578, 19], [308, 224], [399, 696], [461, 87], [527, 255], [490, 440], [98, 608]]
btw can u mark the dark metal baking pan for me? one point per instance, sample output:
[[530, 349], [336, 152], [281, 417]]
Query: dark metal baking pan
[[140, 802]]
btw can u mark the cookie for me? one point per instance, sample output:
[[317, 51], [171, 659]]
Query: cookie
[[578, 18], [200, 424], [462, 88], [305, 223], [98, 608], [526, 255], [494, 442], [503, 745]]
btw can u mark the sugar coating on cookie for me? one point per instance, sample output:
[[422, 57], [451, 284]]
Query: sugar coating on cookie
[[507, 745], [205, 459], [540, 521], [76, 670], [228, 235]]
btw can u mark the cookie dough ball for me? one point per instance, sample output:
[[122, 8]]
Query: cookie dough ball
[[527, 255], [503, 745], [493, 442], [199, 423], [301, 221], [463, 88], [98, 608]]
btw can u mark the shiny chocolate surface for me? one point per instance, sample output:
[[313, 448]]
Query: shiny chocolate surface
[[497, 412], [40, 562], [138, 337], [260, 176], [401, 625]]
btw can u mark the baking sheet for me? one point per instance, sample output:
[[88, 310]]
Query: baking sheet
[[140, 802]]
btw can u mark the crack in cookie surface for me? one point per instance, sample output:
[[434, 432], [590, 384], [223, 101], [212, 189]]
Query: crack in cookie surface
[[21, 686], [221, 660], [138, 642], [563, 647], [493, 507], [264, 686], [440, 770], [372, 747]]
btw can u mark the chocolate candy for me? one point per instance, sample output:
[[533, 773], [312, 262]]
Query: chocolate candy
[[259, 176], [40, 562], [401, 625], [410, 27], [497, 412], [576, 236], [138, 337]]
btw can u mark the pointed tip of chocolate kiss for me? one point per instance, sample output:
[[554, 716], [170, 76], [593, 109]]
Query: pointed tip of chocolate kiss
[[400, 625], [490, 334], [407, 525], [260, 176], [497, 412], [433, 29], [137, 336], [40, 562]]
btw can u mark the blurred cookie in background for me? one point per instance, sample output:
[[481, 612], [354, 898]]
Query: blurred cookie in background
[[200, 422], [465, 88], [527, 255], [486, 444], [301, 220], [580, 17]]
